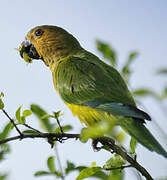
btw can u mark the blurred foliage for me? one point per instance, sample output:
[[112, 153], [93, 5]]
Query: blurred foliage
[[49, 123]]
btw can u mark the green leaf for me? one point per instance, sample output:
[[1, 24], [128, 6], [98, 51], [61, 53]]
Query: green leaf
[[98, 130], [133, 144], [145, 92], [132, 56], [87, 172], [1, 102], [107, 51], [18, 115], [44, 122], [51, 165], [28, 131], [115, 161], [41, 173], [57, 114], [3, 177], [164, 94], [162, 71], [65, 129], [126, 70], [27, 113], [70, 167], [1, 95], [6, 131]]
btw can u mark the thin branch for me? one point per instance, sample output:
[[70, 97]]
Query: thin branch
[[59, 162], [103, 140], [26, 125], [12, 121], [51, 137], [109, 142], [115, 168], [60, 127]]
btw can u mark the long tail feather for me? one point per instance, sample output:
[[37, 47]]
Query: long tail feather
[[137, 130]]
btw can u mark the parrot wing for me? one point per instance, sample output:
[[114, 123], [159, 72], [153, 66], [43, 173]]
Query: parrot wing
[[96, 85]]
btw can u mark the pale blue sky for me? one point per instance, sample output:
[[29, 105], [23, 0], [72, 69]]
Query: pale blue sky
[[127, 25]]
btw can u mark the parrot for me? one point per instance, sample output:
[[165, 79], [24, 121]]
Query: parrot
[[93, 90]]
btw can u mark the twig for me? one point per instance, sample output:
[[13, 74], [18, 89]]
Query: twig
[[103, 140], [58, 122], [26, 125], [12, 121], [63, 136], [109, 142], [115, 168]]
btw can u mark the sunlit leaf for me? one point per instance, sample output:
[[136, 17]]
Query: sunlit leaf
[[115, 161], [98, 130], [1, 102], [87, 172], [107, 51], [18, 115], [133, 144], [27, 113], [120, 137], [51, 165], [5, 133]]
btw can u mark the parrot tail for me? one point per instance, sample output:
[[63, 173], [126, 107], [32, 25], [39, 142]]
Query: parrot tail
[[137, 130]]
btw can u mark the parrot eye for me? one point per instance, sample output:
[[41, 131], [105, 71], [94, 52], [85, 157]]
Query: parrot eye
[[39, 32]]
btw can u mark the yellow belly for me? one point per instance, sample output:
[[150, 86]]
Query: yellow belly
[[89, 116]]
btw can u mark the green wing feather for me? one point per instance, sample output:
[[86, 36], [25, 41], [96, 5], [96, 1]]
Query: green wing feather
[[86, 80]]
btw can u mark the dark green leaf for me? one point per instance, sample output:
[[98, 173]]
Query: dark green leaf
[[28, 131], [51, 165], [162, 71], [41, 173], [70, 167], [57, 114], [58, 174], [44, 122], [87, 172], [107, 51]]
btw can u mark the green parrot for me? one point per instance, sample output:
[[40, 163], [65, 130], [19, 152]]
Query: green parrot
[[93, 90]]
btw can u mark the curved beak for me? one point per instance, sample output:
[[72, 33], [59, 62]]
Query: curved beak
[[27, 47]]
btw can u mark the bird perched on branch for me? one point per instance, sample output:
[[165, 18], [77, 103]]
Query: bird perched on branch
[[93, 90]]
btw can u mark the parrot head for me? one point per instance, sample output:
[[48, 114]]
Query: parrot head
[[48, 43]]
